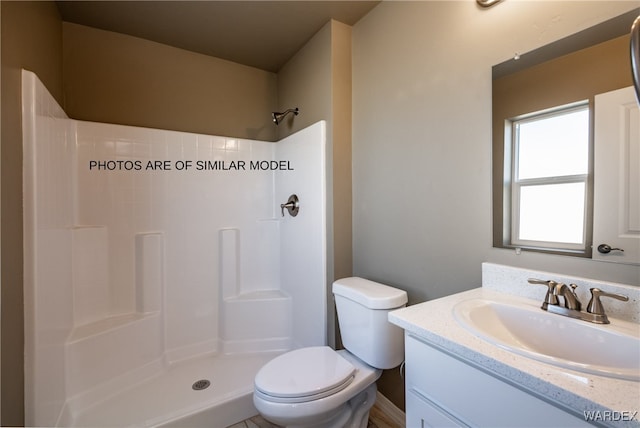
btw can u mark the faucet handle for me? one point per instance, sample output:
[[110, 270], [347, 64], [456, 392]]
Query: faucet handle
[[292, 205], [595, 305], [551, 298]]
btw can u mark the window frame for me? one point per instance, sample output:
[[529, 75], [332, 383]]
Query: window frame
[[513, 185]]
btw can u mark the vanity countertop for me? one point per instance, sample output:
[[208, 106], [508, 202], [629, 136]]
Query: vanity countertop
[[433, 321]]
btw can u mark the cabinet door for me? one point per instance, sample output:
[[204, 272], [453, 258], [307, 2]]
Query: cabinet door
[[616, 207], [468, 396]]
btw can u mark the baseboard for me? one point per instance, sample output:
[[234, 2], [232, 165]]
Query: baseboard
[[385, 414]]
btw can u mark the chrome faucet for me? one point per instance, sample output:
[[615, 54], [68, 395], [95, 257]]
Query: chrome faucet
[[568, 294], [572, 306]]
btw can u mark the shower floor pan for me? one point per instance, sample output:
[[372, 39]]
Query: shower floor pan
[[169, 399]]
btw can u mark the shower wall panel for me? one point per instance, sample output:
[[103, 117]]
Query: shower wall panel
[[48, 212], [90, 274], [303, 244], [136, 180], [124, 229]]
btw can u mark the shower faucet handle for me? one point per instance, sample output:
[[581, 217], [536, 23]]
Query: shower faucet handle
[[292, 205], [288, 206]]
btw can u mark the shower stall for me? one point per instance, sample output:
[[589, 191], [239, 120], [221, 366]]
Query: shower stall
[[160, 270]]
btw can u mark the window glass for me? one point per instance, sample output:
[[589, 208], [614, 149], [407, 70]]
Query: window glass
[[553, 145], [553, 213]]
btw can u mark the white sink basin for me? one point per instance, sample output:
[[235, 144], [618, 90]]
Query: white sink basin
[[611, 350]]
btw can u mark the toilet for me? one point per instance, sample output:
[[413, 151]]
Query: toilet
[[319, 387]]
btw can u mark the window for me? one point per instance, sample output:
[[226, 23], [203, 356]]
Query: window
[[548, 177]]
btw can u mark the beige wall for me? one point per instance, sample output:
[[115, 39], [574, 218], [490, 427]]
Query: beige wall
[[341, 79], [115, 78], [31, 39], [422, 140], [305, 82]]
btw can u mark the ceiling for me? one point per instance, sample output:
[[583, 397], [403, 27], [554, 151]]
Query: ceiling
[[262, 34]]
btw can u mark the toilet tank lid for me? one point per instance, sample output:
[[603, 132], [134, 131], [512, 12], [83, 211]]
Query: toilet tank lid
[[370, 294]]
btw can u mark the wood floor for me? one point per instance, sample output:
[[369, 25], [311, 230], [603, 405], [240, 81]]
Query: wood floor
[[378, 418], [259, 422]]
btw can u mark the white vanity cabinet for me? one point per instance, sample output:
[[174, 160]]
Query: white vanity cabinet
[[446, 391]]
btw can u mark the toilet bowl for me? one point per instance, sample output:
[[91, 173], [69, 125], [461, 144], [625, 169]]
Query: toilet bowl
[[297, 395], [320, 387]]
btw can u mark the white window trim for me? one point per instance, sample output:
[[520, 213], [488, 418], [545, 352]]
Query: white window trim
[[515, 184]]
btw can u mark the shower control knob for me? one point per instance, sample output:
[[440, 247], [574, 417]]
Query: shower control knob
[[292, 206], [606, 249]]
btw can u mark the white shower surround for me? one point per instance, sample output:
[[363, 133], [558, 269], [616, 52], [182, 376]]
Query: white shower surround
[[133, 277]]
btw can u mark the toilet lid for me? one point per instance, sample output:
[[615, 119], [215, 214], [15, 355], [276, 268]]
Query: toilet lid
[[306, 372]]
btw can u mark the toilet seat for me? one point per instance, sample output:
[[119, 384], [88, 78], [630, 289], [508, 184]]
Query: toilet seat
[[304, 375]]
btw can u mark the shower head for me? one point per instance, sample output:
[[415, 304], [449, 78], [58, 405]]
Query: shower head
[[279, 117]]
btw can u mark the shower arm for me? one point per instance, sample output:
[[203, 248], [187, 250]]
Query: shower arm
[[279, 116]]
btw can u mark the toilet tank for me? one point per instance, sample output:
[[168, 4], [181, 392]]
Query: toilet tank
[[366, 332]]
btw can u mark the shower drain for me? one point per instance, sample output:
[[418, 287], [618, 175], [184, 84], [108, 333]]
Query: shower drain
[[201, 384]]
